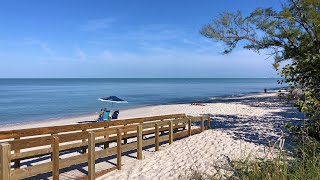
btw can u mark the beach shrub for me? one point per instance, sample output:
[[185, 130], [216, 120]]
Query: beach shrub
[[304, 163], [305, 90], [291, 36]]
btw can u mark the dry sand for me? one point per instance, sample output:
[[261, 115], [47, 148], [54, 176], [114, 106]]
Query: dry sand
[[240, 126]]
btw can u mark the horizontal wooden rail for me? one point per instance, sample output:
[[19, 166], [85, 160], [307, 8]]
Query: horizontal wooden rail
[[164, 123], [46, 140], [55, 144], [76, 127], [76, 145], [78, 159]]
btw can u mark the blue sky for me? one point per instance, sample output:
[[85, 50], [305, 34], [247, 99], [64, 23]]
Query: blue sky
[[113, 39]]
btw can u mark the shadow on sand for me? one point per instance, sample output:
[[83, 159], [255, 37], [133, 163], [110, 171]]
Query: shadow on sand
[[261, 130]]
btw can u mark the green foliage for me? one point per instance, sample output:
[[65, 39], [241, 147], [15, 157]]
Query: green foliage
[[305, 90], [291, 34], [304, 164]]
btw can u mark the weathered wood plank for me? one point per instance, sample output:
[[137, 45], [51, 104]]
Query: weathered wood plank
[[103, 172], [119, 151], [151, 125], [157, 137], [84, 149], [139, 142], [125, 140], [46, 140], [170, 132], [5, 161], [161, 132], [91, 156], [196, 118], [76, 127], [106, 144], [196, 131], [189, 127], [42, 141], [180, 134], [47, 167], [209, 124], [16, 162], [46, 151], [29, 171], [55, 158], [202, 124], [164, 123], [74, 160], [182, 120]]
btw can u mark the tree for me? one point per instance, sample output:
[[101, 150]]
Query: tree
[[292, 35]]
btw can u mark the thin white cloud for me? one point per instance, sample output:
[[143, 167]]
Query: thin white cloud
[[142, 33], [97, 24], [158, 48], [43, 45], [156, 38]]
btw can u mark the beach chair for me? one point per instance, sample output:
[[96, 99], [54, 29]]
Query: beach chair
[[105, 116], [115, 114]]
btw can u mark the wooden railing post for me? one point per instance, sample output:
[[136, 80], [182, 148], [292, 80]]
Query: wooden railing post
[[5, 160], [156, 137], [16, 162], [55, 157], [184, 128], [170, 132], [139, 142], [189, 127], [91, 155], [84, 149], [162, 132], [208, 119], [125, 140], [202, 124], [52, 145], [119, 151], [106, 144]]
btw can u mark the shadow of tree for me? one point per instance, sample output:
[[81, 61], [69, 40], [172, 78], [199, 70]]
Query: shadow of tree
[[262, 130]]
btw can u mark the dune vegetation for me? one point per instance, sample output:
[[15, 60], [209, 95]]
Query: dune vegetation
[[292, 37]]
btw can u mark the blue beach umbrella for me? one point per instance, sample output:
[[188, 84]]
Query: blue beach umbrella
[[112, 99]]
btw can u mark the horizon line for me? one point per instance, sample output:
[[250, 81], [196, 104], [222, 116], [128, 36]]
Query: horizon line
[[141, 78]]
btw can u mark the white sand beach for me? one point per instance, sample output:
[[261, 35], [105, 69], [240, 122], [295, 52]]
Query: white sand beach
[[240, 126]]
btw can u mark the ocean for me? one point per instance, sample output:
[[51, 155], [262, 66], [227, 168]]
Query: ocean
[[23, 100]]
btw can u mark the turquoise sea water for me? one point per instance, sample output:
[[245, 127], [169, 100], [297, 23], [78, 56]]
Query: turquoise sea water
[[24, 100]]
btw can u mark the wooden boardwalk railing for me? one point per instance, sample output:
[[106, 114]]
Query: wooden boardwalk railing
[[37, 142]]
